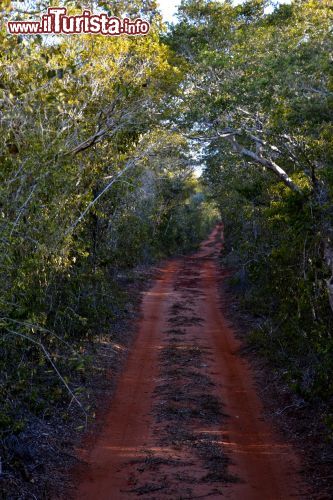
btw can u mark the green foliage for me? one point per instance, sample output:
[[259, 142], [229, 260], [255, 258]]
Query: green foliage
[[96, 178], [90, 185], [265, 80]]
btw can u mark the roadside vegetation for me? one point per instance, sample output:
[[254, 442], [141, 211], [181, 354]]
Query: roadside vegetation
[[260, 93], [91, 185], [99, 139]]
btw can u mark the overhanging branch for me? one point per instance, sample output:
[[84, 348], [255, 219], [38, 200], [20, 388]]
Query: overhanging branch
[[265, 162]]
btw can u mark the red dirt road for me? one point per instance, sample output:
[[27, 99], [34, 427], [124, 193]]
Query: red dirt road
[[186, 421]]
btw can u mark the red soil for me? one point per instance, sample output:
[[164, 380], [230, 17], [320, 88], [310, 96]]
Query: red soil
[[265, 465]]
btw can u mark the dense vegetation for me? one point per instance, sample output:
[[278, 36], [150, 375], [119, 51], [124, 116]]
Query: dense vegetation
[[99, 139], [260, 93], [91, 184]]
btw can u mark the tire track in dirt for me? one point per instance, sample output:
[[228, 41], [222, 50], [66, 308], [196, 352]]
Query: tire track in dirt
[[186, 421]]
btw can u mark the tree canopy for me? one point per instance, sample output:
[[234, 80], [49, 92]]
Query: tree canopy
[[100, 140]]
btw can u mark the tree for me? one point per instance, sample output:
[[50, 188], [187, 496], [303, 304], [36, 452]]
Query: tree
[[85, 172], [258, 97]]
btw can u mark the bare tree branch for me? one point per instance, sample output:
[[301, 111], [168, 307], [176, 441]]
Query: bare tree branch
[[48, 356], [129, 165], [265, 162]]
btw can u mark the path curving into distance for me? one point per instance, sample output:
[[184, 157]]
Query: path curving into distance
[[186, 421]]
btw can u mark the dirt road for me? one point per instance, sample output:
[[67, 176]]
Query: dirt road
[[186, 421]]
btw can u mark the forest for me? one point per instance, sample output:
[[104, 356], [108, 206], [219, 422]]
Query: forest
[[118, 153]]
